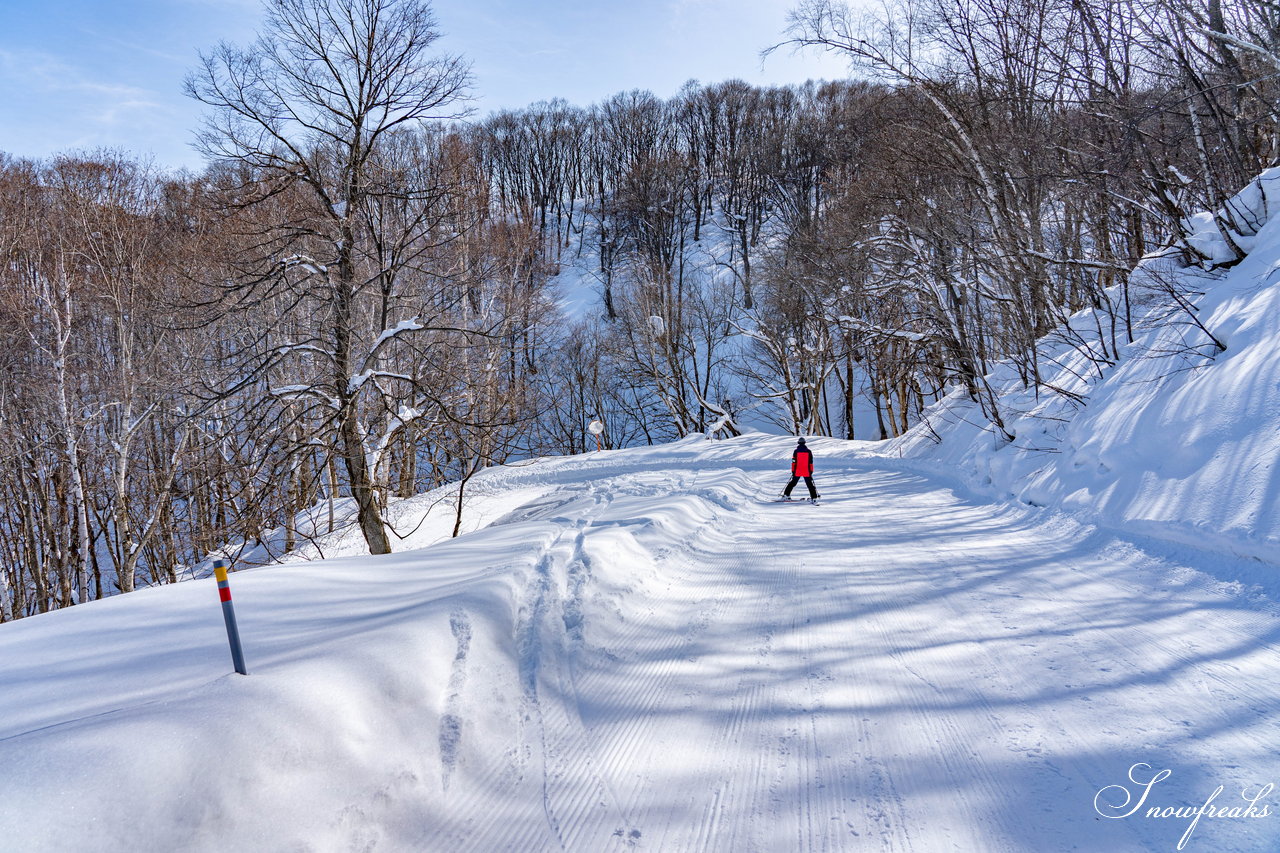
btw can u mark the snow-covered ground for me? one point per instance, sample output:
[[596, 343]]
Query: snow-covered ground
[[1066, 642], [1175, 440], [636, 650]]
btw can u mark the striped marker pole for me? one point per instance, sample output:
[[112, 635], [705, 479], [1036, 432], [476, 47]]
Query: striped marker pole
[[229, 615]]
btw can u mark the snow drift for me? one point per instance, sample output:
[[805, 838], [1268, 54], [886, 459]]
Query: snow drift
[[1176, 441]]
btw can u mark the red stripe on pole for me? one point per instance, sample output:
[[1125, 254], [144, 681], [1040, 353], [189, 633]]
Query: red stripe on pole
[[224, 593]]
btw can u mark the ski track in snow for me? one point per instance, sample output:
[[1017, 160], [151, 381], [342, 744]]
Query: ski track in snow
[[900, 669], [668, 663]]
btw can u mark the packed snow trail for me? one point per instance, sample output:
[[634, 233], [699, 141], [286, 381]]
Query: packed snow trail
[[639, 651], [899, 670]]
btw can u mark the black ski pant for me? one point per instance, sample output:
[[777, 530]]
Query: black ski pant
[[808, 481]]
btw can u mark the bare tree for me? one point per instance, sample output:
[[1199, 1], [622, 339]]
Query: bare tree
[[312, 107]]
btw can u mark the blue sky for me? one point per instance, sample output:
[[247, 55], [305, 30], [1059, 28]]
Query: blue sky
[[81, 74]]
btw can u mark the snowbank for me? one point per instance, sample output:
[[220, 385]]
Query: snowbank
[[1175, 441]]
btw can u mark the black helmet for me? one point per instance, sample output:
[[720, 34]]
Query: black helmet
[[802, 441]]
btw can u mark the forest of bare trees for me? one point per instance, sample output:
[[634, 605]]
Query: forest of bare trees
[[366, 295]]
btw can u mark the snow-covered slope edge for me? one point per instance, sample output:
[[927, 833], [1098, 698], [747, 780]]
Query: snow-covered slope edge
[[1173, 442], [355, 717]]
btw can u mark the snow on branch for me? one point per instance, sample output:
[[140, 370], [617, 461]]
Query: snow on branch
[[725, 421], [1078, 262], [287, 392], [413, 324], [401, 419], [287, 349], [355, 383], [871, 328], [1268, 56], [311, 265]]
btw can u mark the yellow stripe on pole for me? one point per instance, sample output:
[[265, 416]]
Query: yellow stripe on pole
[[229, 615]]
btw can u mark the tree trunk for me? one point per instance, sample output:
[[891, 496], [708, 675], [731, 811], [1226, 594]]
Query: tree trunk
[[350, 433]]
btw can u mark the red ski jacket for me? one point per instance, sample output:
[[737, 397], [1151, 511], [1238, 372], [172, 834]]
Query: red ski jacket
[[802, 462]]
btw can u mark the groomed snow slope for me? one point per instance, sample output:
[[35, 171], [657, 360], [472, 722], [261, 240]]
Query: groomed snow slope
[[638, 652]]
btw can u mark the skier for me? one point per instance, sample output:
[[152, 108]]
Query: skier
[[801, 466]]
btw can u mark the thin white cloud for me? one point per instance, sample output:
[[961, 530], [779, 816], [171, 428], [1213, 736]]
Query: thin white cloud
[[237, 6], [90, 113], [128, 110], [45, 72]]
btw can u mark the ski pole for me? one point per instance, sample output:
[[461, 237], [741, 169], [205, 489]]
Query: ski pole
[[229, 616]]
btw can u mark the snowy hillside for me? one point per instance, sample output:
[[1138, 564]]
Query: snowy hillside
[[1175, 440], [637, 651]]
